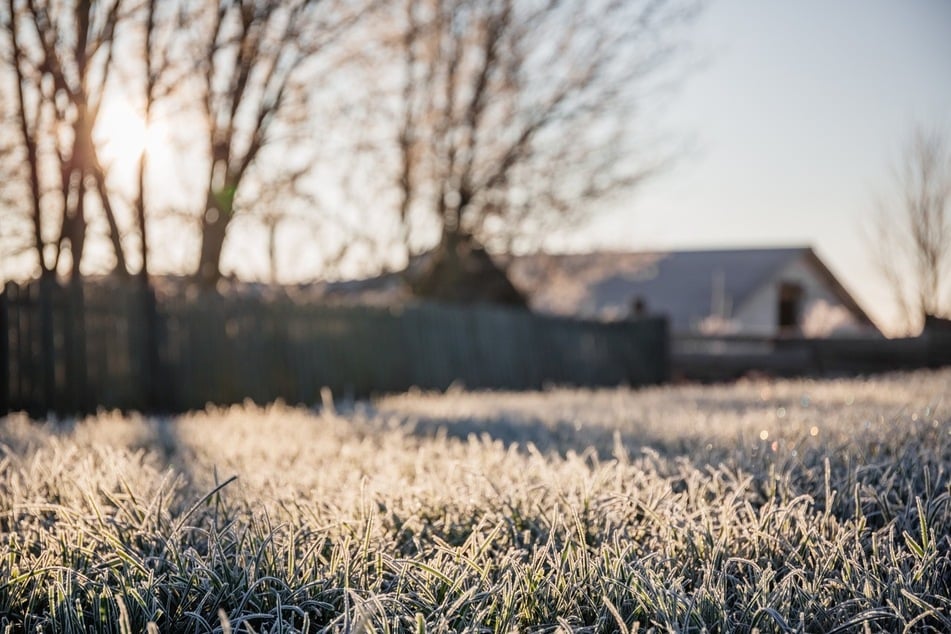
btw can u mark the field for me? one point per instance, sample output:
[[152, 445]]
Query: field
[[793, 506]]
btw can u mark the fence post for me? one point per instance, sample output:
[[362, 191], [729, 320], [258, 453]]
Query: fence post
[[80, 400], [660, 335], [4, 353], [47, 286], [151, 373], [15, 368]]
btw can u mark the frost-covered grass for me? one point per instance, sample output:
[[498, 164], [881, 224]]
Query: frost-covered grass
[[795, 506]]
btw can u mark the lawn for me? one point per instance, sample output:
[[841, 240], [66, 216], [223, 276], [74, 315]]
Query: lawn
[[790, 506]]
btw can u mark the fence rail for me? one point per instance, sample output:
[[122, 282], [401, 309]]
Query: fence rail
[[81, 347]]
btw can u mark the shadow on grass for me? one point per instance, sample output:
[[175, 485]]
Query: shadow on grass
[[162, 439], [158, 437], [555, 437]]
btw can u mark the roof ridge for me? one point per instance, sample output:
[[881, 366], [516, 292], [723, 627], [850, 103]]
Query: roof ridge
[[799, 248]]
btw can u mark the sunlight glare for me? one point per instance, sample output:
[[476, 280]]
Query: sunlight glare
[[122, 134]]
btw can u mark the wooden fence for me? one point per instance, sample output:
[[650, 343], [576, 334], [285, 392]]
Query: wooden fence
[[724, 358], [81, 347]]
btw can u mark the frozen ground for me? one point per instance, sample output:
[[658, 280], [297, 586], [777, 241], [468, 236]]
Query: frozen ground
[[784, 506]]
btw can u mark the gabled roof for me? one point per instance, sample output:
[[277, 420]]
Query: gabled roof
[[681, 284]]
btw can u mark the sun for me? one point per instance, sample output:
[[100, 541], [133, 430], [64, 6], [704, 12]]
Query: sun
[[122, 134]]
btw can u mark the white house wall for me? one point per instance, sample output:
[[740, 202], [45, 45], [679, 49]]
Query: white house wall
[[821, 312]]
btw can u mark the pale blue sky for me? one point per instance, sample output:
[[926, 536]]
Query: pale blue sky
[[799, 114]]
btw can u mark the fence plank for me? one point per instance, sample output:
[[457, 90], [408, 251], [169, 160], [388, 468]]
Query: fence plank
[[5, 359], [77, 381], [17, 370]]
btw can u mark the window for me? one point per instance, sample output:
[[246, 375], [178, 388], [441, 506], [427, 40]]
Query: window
[[638, 306], [790, 298]]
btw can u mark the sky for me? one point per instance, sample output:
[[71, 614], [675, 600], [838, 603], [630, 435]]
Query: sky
[[797, 113]]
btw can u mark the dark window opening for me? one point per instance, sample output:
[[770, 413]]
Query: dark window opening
[[790, 297], [638, 306]]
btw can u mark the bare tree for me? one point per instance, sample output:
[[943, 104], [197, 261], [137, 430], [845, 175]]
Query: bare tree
[[16, 231], [59, 55], [911, 245], [252, 68], [517, 116], [255, 81], [154, 62]]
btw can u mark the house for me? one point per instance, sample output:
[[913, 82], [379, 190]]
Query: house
[[765, 291], [761, 292]]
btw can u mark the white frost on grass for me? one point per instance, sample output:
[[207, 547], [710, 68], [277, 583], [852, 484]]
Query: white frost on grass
[[800, 504]]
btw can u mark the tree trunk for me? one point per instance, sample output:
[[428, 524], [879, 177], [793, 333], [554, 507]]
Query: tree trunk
[[75, 229], [214, 227], [29, 143], [461, 271], [115, 236], [140, 219]]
